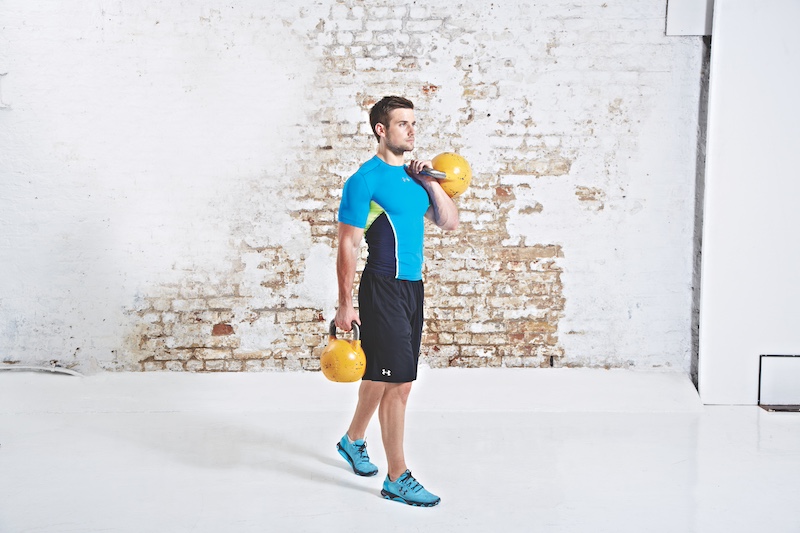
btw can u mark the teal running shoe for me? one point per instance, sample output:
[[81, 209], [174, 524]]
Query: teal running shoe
[[407, 490], [356, 455]]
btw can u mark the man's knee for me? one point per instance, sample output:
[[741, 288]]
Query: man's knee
[[399, 390], [372, 387]]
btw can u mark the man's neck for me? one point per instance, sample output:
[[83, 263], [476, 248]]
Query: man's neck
[[389, 156]]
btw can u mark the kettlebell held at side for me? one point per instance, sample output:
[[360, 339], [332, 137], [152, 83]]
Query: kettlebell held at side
[[343, 361]]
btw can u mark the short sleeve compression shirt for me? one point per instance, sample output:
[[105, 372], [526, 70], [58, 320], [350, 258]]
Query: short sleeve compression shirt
[[390, 206]]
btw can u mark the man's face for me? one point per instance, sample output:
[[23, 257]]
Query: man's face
[[400, 131]]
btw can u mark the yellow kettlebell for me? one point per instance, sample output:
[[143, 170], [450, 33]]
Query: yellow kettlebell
[[457, 173], [343, 361]]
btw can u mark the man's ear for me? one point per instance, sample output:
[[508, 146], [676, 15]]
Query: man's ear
[[380, 129]]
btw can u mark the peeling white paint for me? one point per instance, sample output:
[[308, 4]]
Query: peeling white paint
[[319, 283], [133, 130]]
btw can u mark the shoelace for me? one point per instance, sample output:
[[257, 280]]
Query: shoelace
[[362, 452], [409, 482]]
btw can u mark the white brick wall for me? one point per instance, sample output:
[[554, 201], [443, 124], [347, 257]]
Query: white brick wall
[[167, 167]]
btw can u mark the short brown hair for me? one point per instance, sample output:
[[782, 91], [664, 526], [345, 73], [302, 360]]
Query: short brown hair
[[379, 114]]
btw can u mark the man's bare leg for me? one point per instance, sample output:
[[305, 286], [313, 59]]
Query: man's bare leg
[[369, 396], [392, 416]]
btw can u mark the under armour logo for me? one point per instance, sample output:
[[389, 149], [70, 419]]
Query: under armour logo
[[406, 178], [386, 372]]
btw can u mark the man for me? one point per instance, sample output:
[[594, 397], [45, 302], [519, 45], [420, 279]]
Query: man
[[388, 202]]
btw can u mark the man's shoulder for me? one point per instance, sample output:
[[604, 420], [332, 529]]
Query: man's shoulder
[[369, 168], [367, 176]]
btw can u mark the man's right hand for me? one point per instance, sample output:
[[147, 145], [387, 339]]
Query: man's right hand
[[345, 316]]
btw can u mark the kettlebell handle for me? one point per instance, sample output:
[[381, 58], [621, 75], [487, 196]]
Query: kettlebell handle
[[436, 174], [356, 330]]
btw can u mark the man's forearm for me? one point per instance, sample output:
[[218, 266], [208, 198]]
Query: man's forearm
[[346, 274], [444, 210], [346, 259]]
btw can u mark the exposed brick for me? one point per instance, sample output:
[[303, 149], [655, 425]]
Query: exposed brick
[[153, 365], [254, 365], [215, 366], [174, 366], [233, 366], [206, 354], [222, 329], [165, 354]]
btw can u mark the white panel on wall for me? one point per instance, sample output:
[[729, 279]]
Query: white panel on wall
[[750, 279], [780, 380], [689, 17]]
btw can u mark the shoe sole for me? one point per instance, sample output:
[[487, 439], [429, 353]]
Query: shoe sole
[[395, 498], [352, 465]]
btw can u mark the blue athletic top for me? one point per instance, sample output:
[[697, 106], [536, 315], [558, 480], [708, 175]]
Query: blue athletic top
[[390, 205]]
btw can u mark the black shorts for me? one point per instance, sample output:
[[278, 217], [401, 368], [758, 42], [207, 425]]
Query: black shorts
[[391, 326]]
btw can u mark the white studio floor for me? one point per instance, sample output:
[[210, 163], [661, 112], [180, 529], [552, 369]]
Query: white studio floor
[[551, 450]]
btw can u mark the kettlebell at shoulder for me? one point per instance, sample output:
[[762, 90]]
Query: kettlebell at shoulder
[[343, 361]]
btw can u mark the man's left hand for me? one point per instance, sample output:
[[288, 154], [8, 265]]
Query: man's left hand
[[415, 168]]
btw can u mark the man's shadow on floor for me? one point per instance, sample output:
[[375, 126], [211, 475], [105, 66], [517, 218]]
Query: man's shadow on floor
[[294, 444]]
